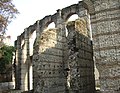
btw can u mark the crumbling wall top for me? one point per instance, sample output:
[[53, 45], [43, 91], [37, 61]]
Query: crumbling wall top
[[90, 6], [64, 13]]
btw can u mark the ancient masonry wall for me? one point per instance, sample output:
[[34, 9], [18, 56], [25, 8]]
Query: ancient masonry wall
[[17, 62], [49, 59], [80, 58], [21, 61], [106, 40], [105, 25], [48, 63]]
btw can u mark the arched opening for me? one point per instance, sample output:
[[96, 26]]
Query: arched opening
[[76, 37], [31, 43], [51, 26], [71, 17]]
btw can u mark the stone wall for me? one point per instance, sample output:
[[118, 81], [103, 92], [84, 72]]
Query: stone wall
[[6, 86], [22, 61], [80, 59], [17, 62], [105, 23], [48, 66]]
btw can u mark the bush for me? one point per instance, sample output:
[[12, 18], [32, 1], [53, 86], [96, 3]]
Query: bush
[[6, 58]]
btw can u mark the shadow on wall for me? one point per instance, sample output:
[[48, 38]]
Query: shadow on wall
[[48, 66], [49, 49], [80, 58], [49, 62]]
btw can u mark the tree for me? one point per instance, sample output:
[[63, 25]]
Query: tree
[[8, 12], [6, 63], [6, 57]]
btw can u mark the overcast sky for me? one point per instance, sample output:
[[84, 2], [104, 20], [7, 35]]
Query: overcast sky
[[33, 10]]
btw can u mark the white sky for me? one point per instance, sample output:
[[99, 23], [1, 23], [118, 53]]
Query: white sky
[[33, 10]]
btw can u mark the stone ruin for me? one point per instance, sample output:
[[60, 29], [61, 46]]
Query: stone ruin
[[62, 58]]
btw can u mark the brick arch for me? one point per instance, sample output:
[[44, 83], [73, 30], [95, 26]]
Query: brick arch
[[70, 15], [47, 25], [46, 21], [68, 11], [67, 20], [76, 8]]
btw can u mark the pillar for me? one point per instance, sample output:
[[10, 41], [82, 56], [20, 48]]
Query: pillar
[[25, 63], [85, 16], [61, 26], [17, 63]]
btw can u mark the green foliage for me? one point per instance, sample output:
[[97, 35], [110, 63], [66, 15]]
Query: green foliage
[[6, 58]]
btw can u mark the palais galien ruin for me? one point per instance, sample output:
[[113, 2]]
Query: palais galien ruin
[[63, 57]]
